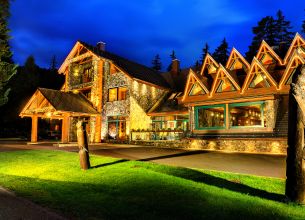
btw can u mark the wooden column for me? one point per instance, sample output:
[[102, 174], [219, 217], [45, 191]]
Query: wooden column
[[65, 129], [34, 132], [98, 127]]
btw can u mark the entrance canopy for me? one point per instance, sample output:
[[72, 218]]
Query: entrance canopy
[[49, 103]]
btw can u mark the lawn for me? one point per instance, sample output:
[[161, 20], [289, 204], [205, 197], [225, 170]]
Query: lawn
[[120, 189]]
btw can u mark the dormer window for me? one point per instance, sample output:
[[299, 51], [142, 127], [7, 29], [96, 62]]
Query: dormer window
[[87, 75]]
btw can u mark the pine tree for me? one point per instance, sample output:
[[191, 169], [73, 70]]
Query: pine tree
[[263, 31], [7, 68], [205, 51], [282, 27], [53, 63], [156, 63], [303, 26], [221, 53], [173, 57]]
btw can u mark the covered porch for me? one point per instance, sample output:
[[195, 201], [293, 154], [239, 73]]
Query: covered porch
[[64, 106]]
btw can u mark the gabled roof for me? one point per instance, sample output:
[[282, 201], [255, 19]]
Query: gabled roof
[[236, 55], [233, 79], [208, 60], [295, 60], [191, 79], [255, 66], [133, 69], [265, 48], [298, 41], [58, 101]]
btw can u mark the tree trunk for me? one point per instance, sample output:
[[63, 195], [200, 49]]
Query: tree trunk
[[82, 142], [295, 164]]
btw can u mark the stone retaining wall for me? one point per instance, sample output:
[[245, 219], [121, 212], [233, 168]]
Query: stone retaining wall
[[262, 145]]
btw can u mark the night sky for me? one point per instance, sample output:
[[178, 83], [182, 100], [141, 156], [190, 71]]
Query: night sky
[[138, 29]]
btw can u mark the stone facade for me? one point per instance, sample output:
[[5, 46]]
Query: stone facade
[[263, 146]]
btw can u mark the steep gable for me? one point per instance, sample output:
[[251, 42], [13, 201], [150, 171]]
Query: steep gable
[[209, 65], [297, 43], [258, 77], [267, 56]]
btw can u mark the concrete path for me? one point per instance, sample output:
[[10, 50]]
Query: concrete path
[[254, 164], [16, 208]]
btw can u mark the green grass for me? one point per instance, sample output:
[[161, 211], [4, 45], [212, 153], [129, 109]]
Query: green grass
[[119, 189]]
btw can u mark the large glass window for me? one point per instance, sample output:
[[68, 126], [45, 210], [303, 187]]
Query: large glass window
[[117, 127], [117, 94], [259, 81], [250, 114], [171, 122], [210, 117]]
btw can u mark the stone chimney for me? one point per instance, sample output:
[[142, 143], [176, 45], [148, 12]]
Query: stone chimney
[[175, 67], [101, 46]]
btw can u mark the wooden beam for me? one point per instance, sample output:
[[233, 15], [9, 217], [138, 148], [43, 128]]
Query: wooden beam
[[65, 128], [34, 132]]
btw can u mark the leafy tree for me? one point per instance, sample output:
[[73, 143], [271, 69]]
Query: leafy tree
[[173, 57], [282, 29], [221, 53], [205, 51], [303, 26], [156, 63], [7, 68]]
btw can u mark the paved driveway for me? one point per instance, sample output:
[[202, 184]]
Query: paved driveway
[[261, 165]]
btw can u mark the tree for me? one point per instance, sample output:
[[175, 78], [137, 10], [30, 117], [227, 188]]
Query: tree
[[263, 31], [221, 53], [53, 63], [156, 63], [7, 67], [173, 57], [205, 51], [282, 27], [303, 26]]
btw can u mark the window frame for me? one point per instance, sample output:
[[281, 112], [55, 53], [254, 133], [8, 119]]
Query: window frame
[[117, 93], [262, 105], [197, 108]]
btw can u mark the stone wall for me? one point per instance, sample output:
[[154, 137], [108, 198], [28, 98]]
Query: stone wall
[[263, 145]]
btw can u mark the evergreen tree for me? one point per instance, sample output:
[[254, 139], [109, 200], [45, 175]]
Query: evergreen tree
[[263, 31], [173, 57], [221, 53], [7, 68], [303, 26], [205, 51], [156, 63], [282, 29], [53, 63]]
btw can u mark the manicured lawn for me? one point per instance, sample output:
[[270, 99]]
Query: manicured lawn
[[119, 189]]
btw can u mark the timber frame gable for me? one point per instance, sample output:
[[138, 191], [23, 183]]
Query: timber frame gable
[[221, 77], [298, 42], [264, 51], [234, 57], [193, 80], [295, 60], [210, 64], [257, 69]]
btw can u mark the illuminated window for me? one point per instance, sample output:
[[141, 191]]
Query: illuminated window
[[289, 80], [196, 90], [112, 95], [117, 127], [122, 93], [170, 122], [210, 117], [117, 94], [87, 75], [259, 81], [250, 114], [87, 93], [225, 86]]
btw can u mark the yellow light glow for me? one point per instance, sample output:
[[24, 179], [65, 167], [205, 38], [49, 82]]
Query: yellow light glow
[[49, 114]]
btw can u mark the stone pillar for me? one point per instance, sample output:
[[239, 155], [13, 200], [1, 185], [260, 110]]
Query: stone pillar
[[34, 132], [65, 129]]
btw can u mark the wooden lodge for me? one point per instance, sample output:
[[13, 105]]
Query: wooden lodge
[[239, 106]]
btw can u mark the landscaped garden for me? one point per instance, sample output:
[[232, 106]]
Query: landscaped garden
[[121, 189]]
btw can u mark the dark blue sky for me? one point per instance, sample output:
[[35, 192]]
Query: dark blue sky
[[138, 29]]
